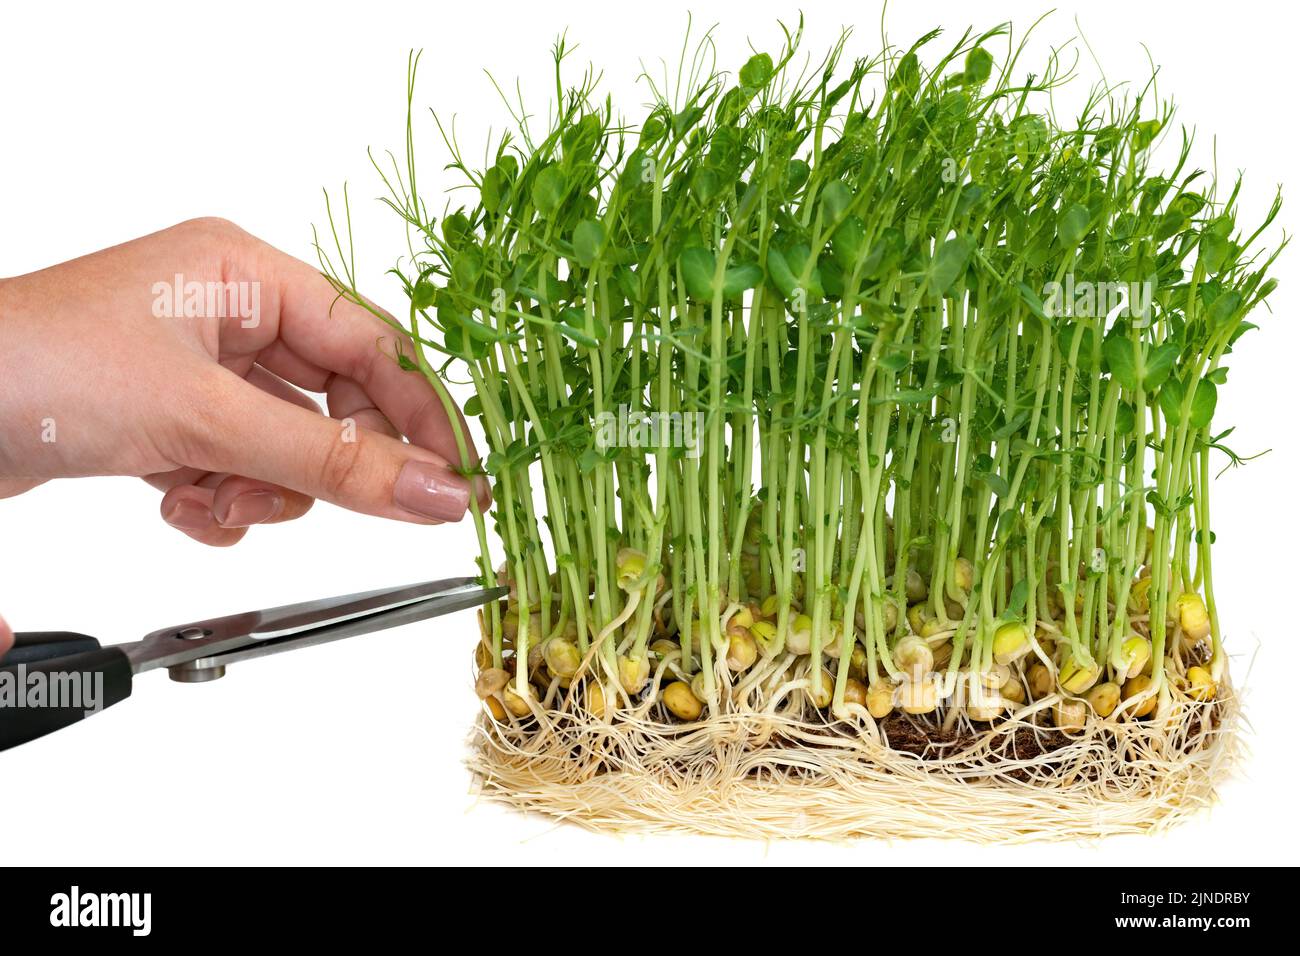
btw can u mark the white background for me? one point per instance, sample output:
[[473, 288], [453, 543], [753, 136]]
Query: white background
[[117, 123]]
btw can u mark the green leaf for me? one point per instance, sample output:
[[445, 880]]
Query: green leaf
[[1204, 400], [422, 295], [835, 199], [916, 396], [1224, 307], [1125, 417], [705, 184], [736, 279], [577, 335], [796, 174], [848, 241], [979, 64], [548, 190], [1073, 225], [456, 228], [949, 263], [588, 239], [474, 406], [1171, 401], [1213, 251], [779, 271], [997, 483], [1018, 598], [1158, 366], [885, 253], [698, 266], [756, 71], [480, 331], [467, 266], [1034, 302], [495, 190], [1119, 358]]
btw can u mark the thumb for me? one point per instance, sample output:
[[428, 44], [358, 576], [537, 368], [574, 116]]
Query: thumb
[[6, 637], [246, 431]]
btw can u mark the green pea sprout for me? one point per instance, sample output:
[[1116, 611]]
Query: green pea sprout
[[851, 431]]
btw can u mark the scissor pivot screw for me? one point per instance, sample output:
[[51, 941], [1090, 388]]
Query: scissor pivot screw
[[193, 633], [185, 674]]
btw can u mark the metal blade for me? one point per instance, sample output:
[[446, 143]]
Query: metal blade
[[174, 646], [353, 627]]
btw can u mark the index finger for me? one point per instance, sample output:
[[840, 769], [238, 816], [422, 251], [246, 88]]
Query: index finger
[[327, 331]]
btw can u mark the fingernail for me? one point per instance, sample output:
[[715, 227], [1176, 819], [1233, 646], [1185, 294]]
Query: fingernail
[[188, 515], [482, 492], [432, 491], [250, 508]]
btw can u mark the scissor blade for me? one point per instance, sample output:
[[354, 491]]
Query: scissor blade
[[292, 618], [187, 642], [354, 627]]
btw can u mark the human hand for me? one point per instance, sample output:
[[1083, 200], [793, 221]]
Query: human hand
[[205, 408]]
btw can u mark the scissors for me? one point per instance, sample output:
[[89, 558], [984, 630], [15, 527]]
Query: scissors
[[53, 679]]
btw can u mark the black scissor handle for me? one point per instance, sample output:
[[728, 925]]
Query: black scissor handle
[[32, 646], [52, 679]]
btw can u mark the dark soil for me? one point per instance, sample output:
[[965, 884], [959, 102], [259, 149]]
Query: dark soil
[[934, 743]]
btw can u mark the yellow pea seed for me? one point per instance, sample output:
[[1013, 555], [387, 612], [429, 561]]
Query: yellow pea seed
[[663, 647], [490, 681], [514, 703], [1136, 686], [742, 651], [1192, 616], [821, 688], [932, 627], [1104, 698], [964, 574], [769, 606], [1200, 684], [891, 615], [831, 644], [1010, 642], [880, 699], [679, 699], [630, 565], [1132, 656], [1139, 598], [1076, 677], [915, 587], [633, 672], [918, 696], [562, 657], [858, 662], [1014, 691], [798, 639], [988, 707], [764, 632], [596, 704], [1040, 681], [913, 655], [855, 692], [494, 706], [1070, 714]]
